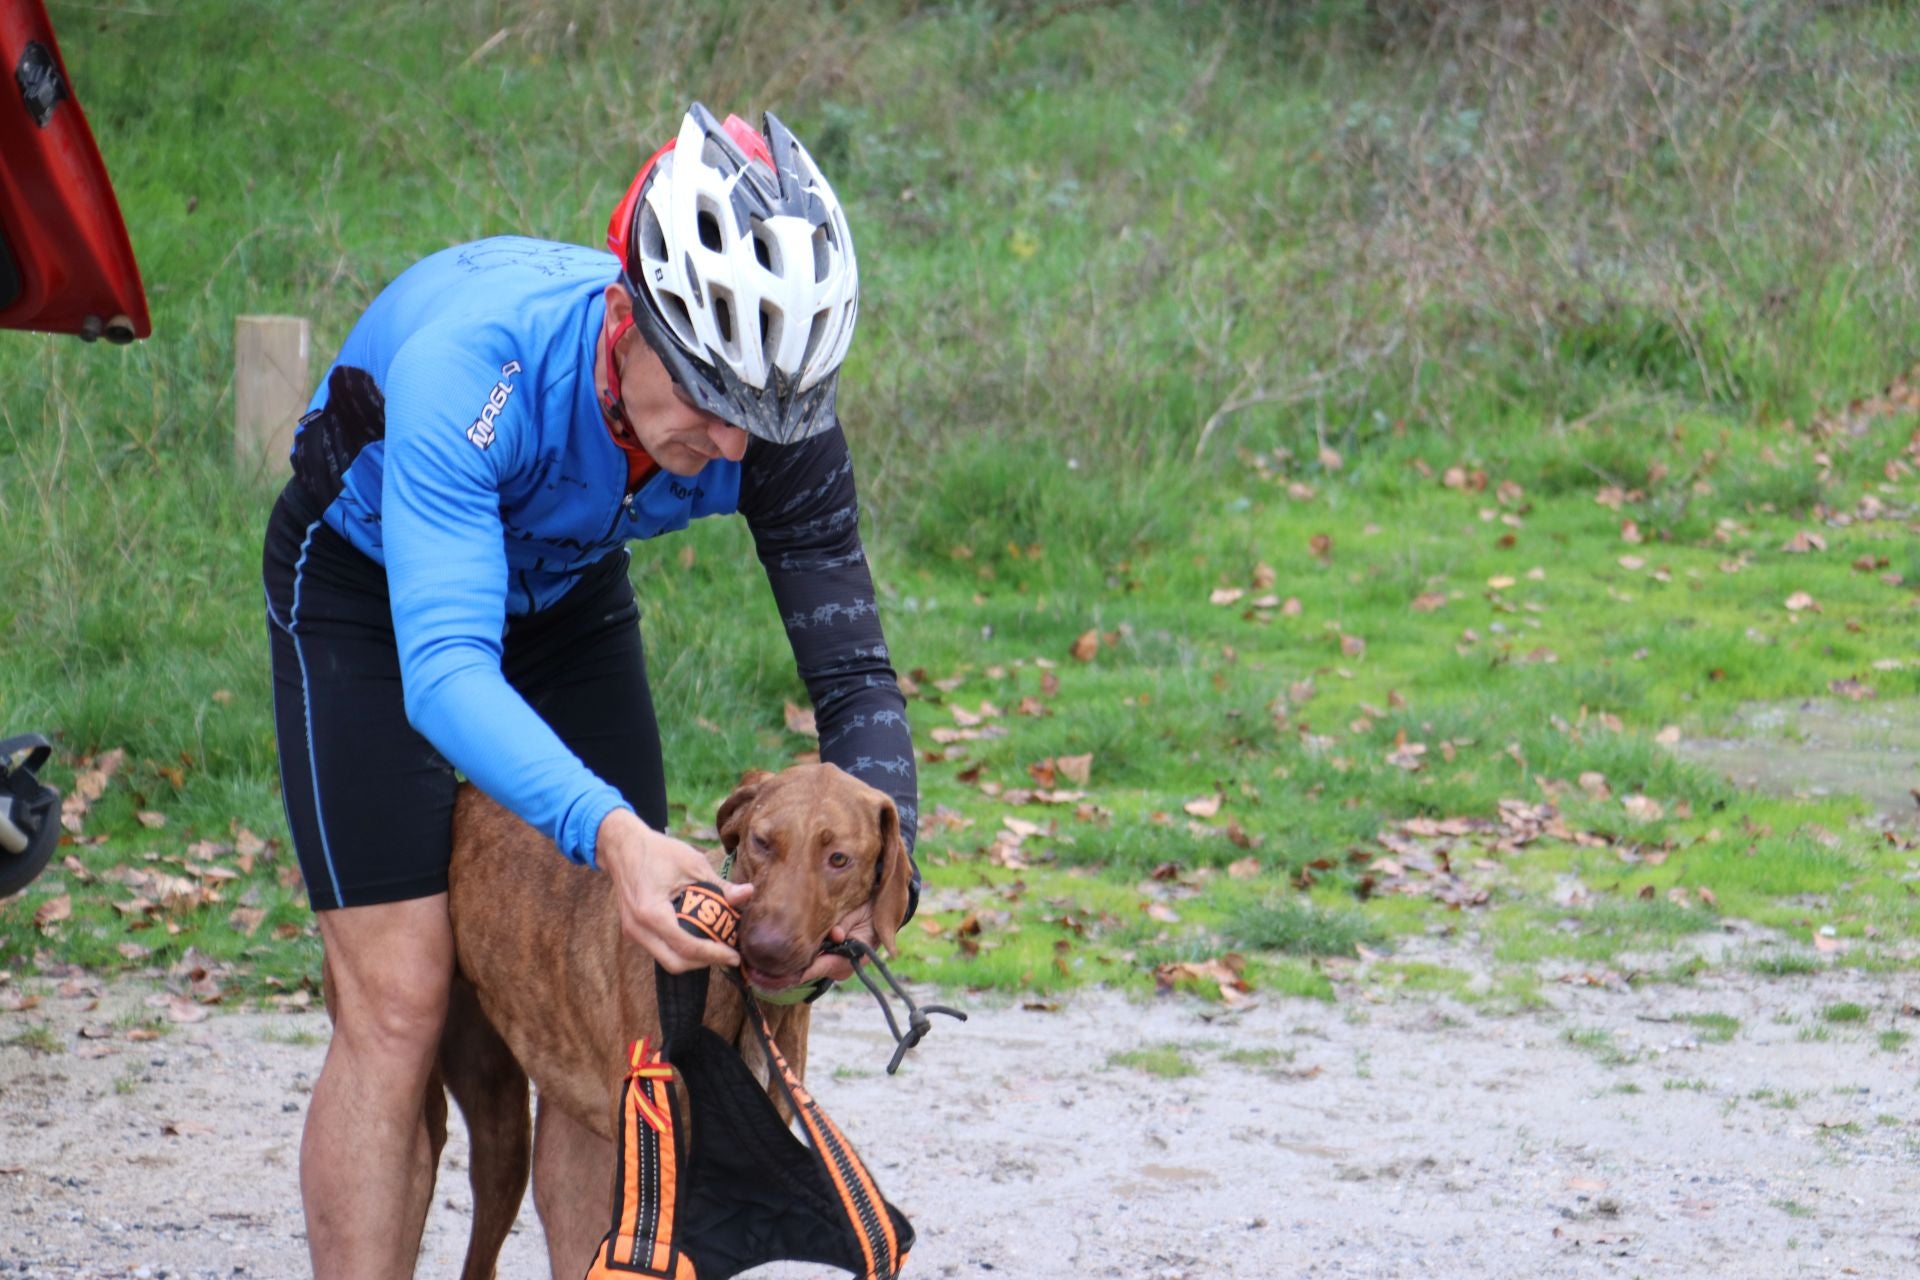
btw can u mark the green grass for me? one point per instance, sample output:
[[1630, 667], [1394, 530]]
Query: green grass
[[1894, 1041], [1165, 1061], [1713, 1028], [1249, 334], [1846, 1011], [1786, 964], [1601, 1044]]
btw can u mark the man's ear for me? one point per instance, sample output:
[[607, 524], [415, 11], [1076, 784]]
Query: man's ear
[[619, 304], [731, 818], [891, 878]]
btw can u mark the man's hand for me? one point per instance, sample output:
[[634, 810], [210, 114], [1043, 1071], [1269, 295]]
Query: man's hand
[[857, 923], [648, 869]]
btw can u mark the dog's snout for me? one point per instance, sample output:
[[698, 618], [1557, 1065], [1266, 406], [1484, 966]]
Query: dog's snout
[[768, 945]]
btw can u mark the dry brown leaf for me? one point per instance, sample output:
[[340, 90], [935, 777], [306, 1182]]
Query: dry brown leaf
[[1086, 646], [1225, 595], [1799, 601], [1075, 769], [1264, 577], [1668, 736], [1353, 646], [1244, 868], [1428, 601], [150, 819], [1205, 806], [800, 720], [1642, 808], [53, 911]]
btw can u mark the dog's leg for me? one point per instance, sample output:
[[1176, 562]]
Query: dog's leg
[[572, 1188], [491, 1089]]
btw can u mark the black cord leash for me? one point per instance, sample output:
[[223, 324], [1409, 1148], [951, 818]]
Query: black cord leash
[[918, 1023]]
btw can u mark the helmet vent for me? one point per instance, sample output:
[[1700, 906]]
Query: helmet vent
[[764, 250], [679, 317], [709, 230], [822, 259], [653, 241], [815, 332], [693, 281], [723, 317], [770, 324]]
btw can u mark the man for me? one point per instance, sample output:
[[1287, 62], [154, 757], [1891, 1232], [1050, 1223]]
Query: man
[[447, 589]]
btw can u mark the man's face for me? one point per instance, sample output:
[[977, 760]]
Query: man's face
[[676, 435]]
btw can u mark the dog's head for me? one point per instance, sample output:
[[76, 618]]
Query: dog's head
[[816, 844]]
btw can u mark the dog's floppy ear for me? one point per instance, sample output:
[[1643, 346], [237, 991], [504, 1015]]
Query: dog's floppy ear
[[892, 877], [731, 818]]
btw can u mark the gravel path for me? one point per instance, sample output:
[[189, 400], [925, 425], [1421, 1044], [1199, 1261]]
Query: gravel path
[[1605, 1136]]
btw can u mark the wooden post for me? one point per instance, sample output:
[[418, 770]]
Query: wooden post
[[270, 390]]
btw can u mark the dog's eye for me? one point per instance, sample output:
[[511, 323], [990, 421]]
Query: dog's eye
[[838, 861]]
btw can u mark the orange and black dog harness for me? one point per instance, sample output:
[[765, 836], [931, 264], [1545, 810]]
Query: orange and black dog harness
[[745, 1191]]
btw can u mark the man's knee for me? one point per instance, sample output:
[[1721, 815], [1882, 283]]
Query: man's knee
[[393, 1019], [389, 971]]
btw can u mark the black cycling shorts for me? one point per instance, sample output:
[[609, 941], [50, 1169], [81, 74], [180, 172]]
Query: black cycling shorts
[[369, 801]]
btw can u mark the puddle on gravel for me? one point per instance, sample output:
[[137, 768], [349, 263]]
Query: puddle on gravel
[[1820, 747]]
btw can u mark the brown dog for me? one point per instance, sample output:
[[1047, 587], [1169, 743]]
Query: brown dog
[[550, 990]]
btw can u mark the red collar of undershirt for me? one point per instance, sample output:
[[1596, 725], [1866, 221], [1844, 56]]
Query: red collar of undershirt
[[640, 464]]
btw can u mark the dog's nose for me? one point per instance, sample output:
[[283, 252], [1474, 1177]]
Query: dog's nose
[[767, 945]]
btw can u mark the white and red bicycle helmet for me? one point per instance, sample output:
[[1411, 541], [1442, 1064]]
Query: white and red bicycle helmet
[[741, 267]]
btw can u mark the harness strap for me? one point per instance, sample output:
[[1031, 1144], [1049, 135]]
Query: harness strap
[[746, 1191], [643, 1241], [704, 911]]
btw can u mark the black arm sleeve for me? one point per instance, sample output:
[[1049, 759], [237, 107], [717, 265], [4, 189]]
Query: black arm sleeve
[[799, 502]]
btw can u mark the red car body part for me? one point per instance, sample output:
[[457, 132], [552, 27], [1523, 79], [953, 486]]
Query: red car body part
[[65, 262]]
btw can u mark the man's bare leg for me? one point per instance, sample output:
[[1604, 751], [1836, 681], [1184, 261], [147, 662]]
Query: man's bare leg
[[366, 1166], [572, 1188]]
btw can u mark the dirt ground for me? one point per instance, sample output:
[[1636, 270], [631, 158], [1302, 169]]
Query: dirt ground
[[1409, 1136]]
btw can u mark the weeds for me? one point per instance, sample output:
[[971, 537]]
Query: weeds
[[1165, 1061], [1415, 298]]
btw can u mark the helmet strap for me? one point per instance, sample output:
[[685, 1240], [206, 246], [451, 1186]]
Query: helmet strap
[[640, 464], [611, 402]]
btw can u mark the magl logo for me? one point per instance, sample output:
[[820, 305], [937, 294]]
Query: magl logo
[[481, 432]]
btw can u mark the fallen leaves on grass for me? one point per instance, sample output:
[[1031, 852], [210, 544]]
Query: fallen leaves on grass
[[89, 784], [1224, 973], [1205, 806], [1642, 808], [800, 720], [52, 912], [1086, 646]]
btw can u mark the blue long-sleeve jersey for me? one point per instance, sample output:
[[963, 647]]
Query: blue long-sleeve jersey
[[457, 441]]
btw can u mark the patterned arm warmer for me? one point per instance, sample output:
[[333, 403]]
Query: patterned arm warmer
[[799, 502]]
